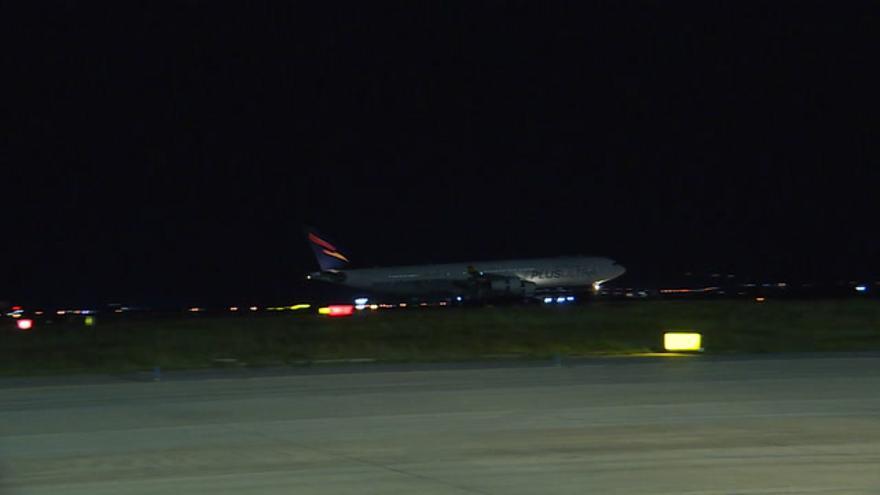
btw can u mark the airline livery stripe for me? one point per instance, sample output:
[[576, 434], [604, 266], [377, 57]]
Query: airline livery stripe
[[321, 242], [335, 255]]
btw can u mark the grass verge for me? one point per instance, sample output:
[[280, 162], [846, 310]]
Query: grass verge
[[199, 341]]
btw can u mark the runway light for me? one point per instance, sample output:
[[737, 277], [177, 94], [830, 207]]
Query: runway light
[[682, 341], [297, 307], [324, 310], [360, 307], [340, 310], [548, 300], [24, 324], [233, 308], [89, 321], [569, 298], [60, 312], [253, 308], [374, 306], [560, 299], [402, 305], [38, 312], [361, 300], [458, 298], [194, 310], [861, 288], [760, 299]]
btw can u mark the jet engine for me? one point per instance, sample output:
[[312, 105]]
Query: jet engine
[[512, 286]]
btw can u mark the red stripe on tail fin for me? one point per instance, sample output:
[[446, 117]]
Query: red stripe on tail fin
[[321, 242]]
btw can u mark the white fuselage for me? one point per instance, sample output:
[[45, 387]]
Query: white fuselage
[[546, 273]]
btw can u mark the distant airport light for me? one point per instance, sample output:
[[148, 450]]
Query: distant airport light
[[402, 305], [89, 321], [233, 308], [569, 298], [443, 303], [458, 298], [253, 308], [16, 308], [38, 312], [297, 307], [548, 300], [194, 309], [60, 312], [340, 310], [682, 341], [361, 300], [24, 324], [560, 299], [324, 310], [760, 299], [423, 304], [861, 288], [360, 307], [374, 306]]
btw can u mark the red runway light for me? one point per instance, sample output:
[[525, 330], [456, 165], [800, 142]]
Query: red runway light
[[340, 310], [24, 324]]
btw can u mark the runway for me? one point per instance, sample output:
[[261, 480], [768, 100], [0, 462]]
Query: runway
[[762, 425]]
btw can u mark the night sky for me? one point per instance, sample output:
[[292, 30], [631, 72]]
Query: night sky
[[170, 152]]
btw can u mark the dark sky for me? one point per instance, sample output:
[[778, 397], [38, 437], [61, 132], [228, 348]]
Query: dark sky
[[171, 151]]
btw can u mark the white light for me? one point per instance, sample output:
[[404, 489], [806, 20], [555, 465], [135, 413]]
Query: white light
[[360, 307], [569, 298], [361, 301], [560, 299], [548, 300], [458, 298], [861, 288]]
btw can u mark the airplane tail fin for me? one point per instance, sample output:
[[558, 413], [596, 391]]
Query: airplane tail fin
[[329, 257]]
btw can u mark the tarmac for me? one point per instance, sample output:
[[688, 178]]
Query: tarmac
[[659, 425]]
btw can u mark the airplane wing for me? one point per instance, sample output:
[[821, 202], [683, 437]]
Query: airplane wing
[[491, 284]]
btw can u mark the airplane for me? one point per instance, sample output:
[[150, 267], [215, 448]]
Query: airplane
[[520, 278]]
